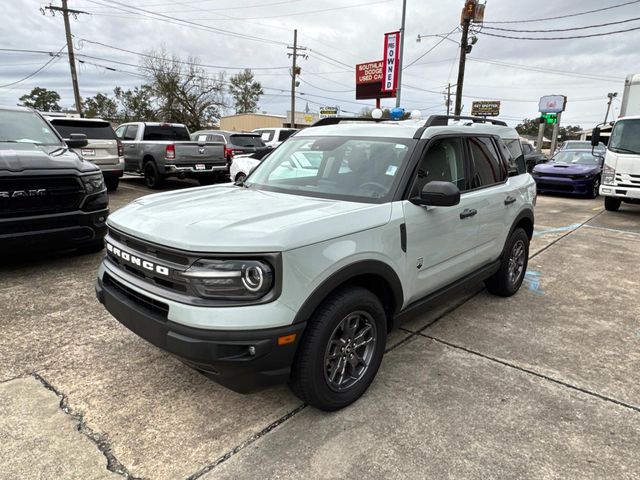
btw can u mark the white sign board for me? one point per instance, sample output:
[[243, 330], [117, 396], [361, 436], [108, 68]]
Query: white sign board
[[326, 112], [552, 104]]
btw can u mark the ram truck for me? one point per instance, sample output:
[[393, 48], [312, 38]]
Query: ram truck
[[162, 150], [50, 198]]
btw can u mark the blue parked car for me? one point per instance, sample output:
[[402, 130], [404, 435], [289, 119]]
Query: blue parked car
[[570, 171]]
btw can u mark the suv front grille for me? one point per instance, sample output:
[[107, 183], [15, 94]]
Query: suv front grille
[[39, 195], [149, 304]]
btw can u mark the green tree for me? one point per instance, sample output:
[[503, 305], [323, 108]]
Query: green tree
[[529, 127], [42, 99], [135, 105], [101, 106], [245, 91], [183, 91]]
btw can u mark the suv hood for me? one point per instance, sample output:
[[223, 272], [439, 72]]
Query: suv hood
[[234, 219], [21, 157]]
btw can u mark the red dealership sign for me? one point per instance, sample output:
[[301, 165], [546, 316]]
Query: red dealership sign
[[391, 59], [369, 81]]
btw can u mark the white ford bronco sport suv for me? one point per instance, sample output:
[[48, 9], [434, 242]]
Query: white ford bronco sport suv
[[298, 274]]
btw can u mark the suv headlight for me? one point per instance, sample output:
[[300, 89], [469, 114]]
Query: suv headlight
[[608, 175], [93, 183], [230, 279]]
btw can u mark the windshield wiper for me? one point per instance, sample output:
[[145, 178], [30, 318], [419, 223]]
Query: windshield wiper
[[623, 150]]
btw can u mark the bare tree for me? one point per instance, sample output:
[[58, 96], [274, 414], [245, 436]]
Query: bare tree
[[184, 92]]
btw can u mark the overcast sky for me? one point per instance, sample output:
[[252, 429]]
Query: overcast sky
[[338, 34]]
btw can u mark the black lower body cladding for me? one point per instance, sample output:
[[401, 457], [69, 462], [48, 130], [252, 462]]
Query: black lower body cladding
[[243, 361], [53, 231]]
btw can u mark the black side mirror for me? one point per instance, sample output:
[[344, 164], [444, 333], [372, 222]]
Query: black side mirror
[[595, 137], [438, 194], [77, 140]]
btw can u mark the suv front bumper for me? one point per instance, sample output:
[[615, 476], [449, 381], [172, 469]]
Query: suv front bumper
[[241, 360]]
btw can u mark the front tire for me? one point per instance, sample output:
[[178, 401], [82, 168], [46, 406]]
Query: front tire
[[513, 265], [112, 183], [240, 178], [612, 204], [595, 189], [341, 350], [152, 178]]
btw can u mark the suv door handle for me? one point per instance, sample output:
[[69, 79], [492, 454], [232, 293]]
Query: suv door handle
[[509, 200], [466, 213]]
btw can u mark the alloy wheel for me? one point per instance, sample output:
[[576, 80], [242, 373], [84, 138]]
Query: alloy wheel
[[349, 351], [516, 262]]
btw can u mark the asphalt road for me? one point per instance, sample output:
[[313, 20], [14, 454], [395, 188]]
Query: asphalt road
[[545, 384]]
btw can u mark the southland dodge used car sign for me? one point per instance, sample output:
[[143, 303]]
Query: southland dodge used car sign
[[391, 50]]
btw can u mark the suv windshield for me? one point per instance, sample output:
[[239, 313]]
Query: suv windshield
[[583, 157], [625, 137], [25, 127], [356, 169], [93, 130], [247, 140]]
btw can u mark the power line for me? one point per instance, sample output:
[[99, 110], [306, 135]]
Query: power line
[[53, 58], [559, 38], [564, 29], [432, 48], [565, 16]]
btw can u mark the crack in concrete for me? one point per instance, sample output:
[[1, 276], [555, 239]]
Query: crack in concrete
[[534, 373], [248, 442], [98, 439]]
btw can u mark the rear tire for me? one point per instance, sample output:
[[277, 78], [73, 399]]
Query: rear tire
[[612, 204], [112, 183], [345, 336], [513, 266], [152, 178]]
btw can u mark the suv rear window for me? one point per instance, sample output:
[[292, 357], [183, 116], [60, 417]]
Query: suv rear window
[[247, 141], [93, 130], [284, 134], [166, 132]]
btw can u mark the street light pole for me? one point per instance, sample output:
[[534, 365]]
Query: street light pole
[[404, 18], [611, 97]]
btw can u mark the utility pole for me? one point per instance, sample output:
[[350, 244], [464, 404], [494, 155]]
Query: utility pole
[[448, 99], [295, 71], [611, 97], [463, 60], [72, 59], [404, 17]]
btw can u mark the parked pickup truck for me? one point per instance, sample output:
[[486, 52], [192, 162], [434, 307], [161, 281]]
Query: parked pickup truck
[[161, 150]]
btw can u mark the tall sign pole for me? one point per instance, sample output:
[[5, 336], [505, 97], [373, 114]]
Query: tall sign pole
[[404, 17], [556, 130], [72, 59]]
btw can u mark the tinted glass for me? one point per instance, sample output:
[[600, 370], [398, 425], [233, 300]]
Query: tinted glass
[[25, 127], [266, 135], [625, 137], [166, 133], [284, 134], [443, 162], [215, 138], [489, 168], [120, 131], [355, 169], [93, 130], [247, 141], [131, 132]]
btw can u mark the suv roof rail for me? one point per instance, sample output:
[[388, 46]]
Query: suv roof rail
[[337, 120], [443, 120]]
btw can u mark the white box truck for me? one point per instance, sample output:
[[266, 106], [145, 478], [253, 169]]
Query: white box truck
[[621, 171]]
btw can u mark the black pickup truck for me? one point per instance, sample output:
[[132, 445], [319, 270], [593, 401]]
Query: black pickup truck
[[49, 197]]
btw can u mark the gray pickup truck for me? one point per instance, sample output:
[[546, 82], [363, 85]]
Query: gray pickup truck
[[161, 150]]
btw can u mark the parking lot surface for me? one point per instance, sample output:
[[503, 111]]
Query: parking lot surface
[[545, 384]]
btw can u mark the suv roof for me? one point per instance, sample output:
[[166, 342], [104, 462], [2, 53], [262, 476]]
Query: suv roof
[[53, 119]]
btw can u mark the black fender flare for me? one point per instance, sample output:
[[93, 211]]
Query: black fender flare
[[527, 213], [349, 272]]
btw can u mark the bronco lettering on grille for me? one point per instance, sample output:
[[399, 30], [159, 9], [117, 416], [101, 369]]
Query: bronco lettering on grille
[[137, 261]]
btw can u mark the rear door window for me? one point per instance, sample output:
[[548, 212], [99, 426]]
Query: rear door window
[[489, 168], [247, 141], [93, 130], [284, 134], [166, 133], [267, 135], [120, 131], [131, 132], [216, 138]]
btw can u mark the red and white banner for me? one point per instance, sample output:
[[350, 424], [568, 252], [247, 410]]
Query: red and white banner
[[391, 58]]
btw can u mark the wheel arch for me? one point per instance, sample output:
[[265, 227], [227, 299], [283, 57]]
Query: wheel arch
[[524, 220], [374, 275]]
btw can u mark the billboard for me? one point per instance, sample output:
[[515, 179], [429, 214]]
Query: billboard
[[391, 56], [485, 109], [326, 112], [369, 81], [552, 104]]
